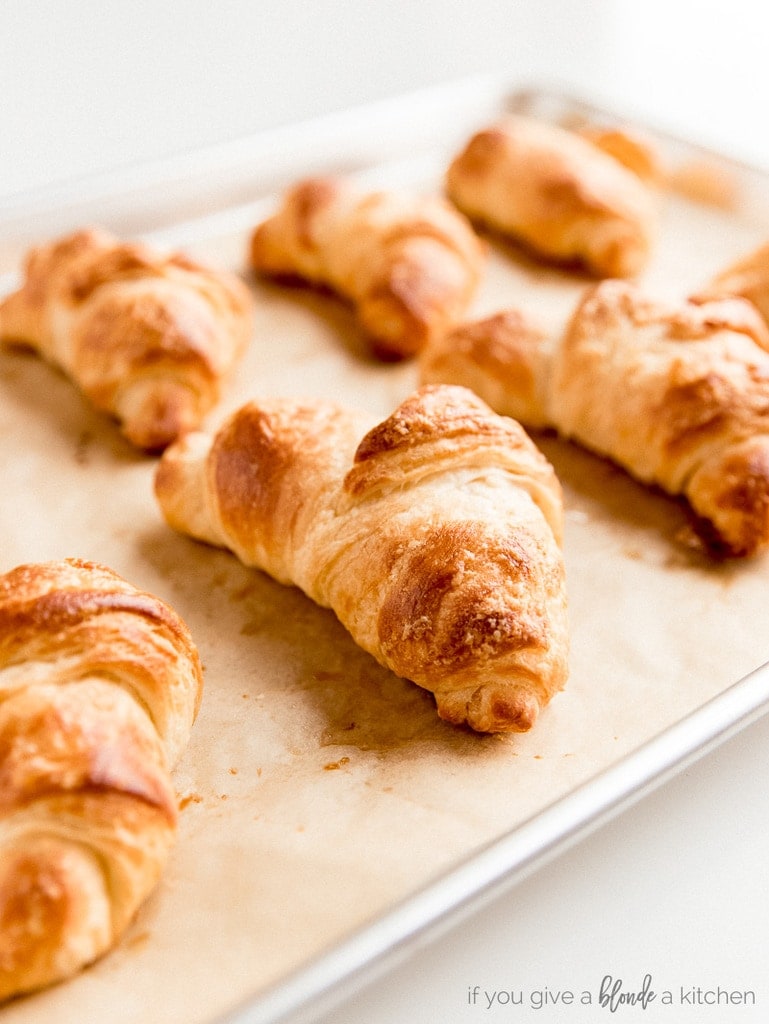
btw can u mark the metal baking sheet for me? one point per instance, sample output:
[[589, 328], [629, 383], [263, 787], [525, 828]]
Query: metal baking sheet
[[330, 822]]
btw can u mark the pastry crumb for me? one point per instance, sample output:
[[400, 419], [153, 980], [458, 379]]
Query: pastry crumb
[[190, 798]]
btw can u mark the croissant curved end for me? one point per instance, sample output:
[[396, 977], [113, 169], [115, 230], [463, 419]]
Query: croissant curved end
[[155, 412], [490, 709]]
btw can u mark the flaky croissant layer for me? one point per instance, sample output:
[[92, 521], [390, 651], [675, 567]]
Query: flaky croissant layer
[[746, 278], [675, 392], [99, 687], [560, 195], [148, 338], [434, 536], [408, 263]]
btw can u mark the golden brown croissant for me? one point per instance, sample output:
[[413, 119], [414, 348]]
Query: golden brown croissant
[[99, 687], [558, 194], [409, 264], [148, 338], [747, 278], [676, 393], [433, 535], [632, 150]]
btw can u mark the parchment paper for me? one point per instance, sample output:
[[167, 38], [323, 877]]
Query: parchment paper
[[318, 789]]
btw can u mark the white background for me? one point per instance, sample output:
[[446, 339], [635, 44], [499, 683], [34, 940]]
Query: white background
[[90, 84], [678, 886]]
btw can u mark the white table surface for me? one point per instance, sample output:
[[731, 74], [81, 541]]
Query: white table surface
[[677, 887]]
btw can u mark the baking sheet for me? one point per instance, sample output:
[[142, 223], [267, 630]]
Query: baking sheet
[[328, 817]]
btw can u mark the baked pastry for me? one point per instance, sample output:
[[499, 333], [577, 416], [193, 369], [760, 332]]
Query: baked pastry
[[631, 149], [563, 198], [676, 393], [409, 264], [505, 358], [148, 338], [99, 686], [747, 278], [434, 536]]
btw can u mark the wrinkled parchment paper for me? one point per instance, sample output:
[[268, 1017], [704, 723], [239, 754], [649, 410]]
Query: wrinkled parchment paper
[[318, 789]]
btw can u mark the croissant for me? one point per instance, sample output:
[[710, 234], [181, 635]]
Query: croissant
[[148, 338], [434, 536], [747, 278], [562, 197], [631, 149], [99, 687], [676, 393], [408, 264]]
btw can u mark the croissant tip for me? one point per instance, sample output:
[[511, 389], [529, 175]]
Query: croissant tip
[[155, 417], [489, 711]]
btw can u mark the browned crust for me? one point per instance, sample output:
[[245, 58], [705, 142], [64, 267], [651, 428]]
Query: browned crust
[[500, 358], [148, 338], [27, 610], [557, 194], [484, 624], [747, 278], [100, 684], [76, 750], [408, 265], [634, 151], [253, 461], [441, 421], [467, 601], [414, 421], [42, 890], [736, 488], [706, 373], [302, 203]]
